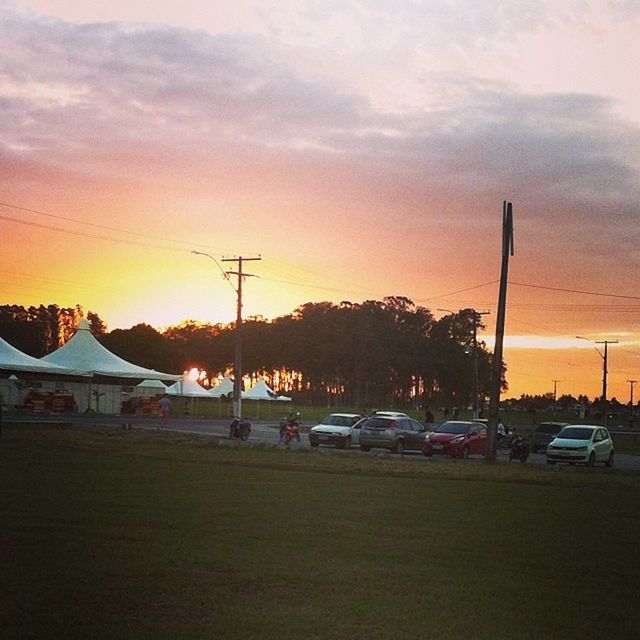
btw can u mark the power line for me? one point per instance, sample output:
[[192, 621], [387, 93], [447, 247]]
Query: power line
[[453, 293], [586, 293], [90, 224]]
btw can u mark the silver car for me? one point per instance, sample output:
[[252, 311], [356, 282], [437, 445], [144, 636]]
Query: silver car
[[397, 432]]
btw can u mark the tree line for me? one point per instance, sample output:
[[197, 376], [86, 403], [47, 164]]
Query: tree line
[[388, 352]]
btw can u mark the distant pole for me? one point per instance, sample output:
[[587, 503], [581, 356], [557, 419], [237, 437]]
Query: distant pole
[[555, 395], [476, 319], [496, 369], [631, 385], [237, 368], [606, 344]]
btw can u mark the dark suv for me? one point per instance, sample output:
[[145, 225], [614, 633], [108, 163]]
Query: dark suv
[[394, 432], [545, 432]]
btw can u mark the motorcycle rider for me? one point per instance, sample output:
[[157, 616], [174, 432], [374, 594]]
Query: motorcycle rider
[[291, 421], [234, 428]]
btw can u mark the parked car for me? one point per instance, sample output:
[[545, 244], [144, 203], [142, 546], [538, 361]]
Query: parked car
[[457, 438], [545, 432], [581, 443], [391, 430], [337, 430]]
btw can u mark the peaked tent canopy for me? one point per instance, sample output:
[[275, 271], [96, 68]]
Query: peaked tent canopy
[[83, 353], [187, 388], [12, 359], [152, 384], [262, 391], [222, 389]]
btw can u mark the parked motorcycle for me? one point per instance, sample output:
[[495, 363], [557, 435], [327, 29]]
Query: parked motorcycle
[[519, 449], [239, 429]]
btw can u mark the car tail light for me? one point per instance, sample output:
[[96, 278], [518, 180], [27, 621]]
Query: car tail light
[[393, 424]]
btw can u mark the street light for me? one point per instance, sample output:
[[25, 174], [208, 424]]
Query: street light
[[237, 367], [473, 351], [606, 343]]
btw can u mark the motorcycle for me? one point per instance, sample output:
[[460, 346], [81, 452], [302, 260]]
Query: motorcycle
[[290, 427], [239, 429], [519, 449], [289, 430]]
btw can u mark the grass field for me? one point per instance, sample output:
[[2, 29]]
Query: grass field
[[114, 534]]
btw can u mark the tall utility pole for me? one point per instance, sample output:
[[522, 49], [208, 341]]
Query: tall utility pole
[[604, 357], [476, 321], [631, 385], [237, 368], [496, 369], [606, 343]]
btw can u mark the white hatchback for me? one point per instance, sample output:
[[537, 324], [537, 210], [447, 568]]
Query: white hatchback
[[337, 430], [581, 443]]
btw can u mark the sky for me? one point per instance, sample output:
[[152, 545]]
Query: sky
[[360, 149]]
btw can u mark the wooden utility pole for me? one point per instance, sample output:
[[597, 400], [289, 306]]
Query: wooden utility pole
[[496, 369], [237, 368], [606, 344]]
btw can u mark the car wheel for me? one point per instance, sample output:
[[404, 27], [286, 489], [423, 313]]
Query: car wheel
[[592, 459], [363, 448], [465, 453], [346, 443], [426, 454], [314, 444], [550, 461], [399, 448], [609, 462]]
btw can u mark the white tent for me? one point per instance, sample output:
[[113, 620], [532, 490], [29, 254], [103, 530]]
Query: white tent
[[187, 389], [152, 385], [222, 389], [83, 353], [12, 359], [262, 391]]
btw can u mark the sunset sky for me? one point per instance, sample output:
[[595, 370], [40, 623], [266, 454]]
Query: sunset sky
[[360, 148]]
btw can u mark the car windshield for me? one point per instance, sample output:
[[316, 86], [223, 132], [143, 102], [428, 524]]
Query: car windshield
[[452, 427], [575, 433], [338, 421], [548, 428]]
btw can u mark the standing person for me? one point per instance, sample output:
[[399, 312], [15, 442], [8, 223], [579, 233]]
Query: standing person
[[165, 408], [428, 416]]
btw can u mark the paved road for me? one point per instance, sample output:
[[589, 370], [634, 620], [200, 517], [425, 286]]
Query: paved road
[[262, 433]]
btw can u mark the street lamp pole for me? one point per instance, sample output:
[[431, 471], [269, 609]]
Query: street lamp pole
[[237, 366], [476, 319]]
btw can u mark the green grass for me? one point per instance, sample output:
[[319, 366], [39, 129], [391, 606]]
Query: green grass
[[111, 534]]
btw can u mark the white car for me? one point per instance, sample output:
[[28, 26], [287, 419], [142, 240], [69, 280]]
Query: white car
[[581, 443], [338, 430]]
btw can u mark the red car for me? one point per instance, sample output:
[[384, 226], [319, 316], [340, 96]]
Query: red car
[[456, 438]]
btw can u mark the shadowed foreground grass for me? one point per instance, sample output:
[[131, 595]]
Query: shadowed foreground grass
[[143, 535]]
